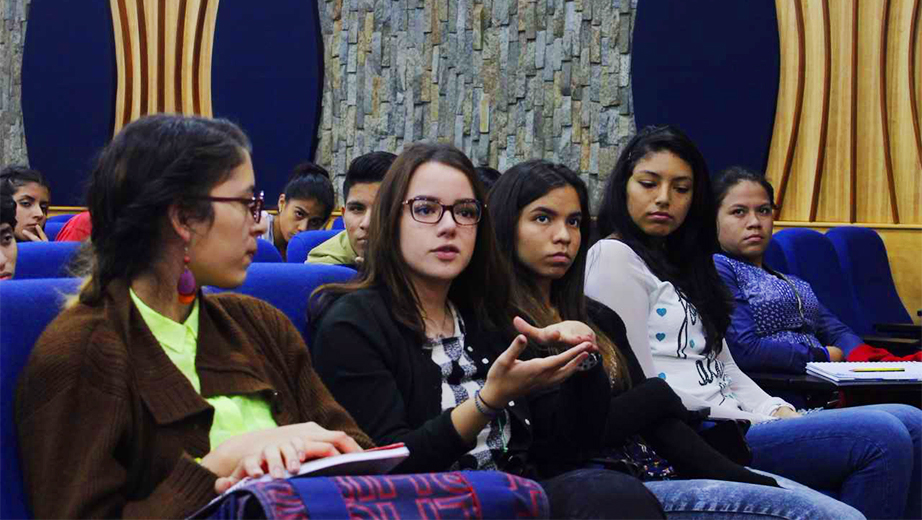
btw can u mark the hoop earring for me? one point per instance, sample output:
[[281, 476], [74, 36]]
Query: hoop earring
[[186, 286]]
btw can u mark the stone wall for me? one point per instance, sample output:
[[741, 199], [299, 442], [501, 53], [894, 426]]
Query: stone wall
[[13, 15], [503, 80]]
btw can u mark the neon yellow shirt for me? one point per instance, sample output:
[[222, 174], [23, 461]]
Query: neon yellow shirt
[[233, 414]]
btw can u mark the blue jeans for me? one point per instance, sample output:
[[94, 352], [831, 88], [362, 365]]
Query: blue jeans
[[717, 499], [868, 457]]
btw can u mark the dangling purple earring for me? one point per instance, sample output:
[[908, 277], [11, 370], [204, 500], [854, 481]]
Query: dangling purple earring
[[186, 285]]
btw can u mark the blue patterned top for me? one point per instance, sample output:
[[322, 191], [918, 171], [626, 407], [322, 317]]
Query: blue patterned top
[[778, 324]]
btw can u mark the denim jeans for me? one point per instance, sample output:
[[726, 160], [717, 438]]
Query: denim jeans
[[868, 456], [716, 499]]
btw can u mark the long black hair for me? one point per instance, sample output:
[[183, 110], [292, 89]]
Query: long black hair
[[521, 185], [684, 256], [7, 205]]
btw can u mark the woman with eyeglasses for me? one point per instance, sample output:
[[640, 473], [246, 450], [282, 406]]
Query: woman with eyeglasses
[[423, 348], [146, 397]]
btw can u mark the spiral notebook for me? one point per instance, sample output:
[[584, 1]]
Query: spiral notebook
[[869, 371]]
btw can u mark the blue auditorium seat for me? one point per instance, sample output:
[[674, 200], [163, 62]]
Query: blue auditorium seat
[[44, 259], [812, 257], [60, 218], [52, 229], [302, 243], [338, 223], [774, 258], [288, 287], [266, 252], [26, 307], [864, 259]]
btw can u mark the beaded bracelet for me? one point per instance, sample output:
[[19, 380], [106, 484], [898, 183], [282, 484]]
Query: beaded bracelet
[[483, 407]]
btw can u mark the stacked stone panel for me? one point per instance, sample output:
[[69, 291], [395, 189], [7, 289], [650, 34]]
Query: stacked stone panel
[[13, 16], [503, 80]]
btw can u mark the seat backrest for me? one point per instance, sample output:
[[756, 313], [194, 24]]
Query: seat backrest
[[774, 258], [301, 244], [44, 259], [811, 256], [52, 229], [60, 218], [338, 223], [863, 257], [266, 252], [288, 287], [26, 308]]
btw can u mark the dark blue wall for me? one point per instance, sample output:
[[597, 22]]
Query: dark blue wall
[[68, 91], [267, 75], [712, 68]]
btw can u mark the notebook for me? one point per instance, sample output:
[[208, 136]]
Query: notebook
[[374, 461], [867, 371]]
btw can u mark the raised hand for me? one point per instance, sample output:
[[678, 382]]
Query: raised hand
[[510, 377], [564, 334]]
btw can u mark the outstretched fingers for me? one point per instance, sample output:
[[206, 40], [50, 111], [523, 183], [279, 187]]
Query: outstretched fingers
[[538, 335], [561, 366], [512, 353]]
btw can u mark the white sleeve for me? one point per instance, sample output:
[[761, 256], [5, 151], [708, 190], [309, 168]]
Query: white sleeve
[[618, 279], [747, 392]]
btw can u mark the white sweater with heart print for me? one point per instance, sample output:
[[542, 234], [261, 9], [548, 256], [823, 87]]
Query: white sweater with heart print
[[668, 338]]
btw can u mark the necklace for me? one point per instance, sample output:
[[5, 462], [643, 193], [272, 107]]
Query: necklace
[[440, 330]]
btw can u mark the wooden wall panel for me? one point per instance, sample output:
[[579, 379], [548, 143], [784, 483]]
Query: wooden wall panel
[[835, 185], [915, 76], [781, 151], [903, 248], [907, 164], [812, 122], [846, 145], [872, 197], [163, 57]]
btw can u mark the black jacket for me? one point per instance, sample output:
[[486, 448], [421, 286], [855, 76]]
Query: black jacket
[[377, 369]]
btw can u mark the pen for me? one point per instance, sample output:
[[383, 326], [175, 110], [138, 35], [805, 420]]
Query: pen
[[877, 370]]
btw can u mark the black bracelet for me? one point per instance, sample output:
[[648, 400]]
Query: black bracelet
[[484, 408]]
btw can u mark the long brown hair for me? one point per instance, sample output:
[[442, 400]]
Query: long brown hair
[[515, 189], [483, 286]]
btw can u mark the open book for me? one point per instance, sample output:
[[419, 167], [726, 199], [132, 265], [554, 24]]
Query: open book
[[375, 461], [867, 371]]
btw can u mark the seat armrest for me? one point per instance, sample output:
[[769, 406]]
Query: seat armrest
[[903, 330], [894, 345]]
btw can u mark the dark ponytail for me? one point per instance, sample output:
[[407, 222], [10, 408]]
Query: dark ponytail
[[311, 181], [153, 163]]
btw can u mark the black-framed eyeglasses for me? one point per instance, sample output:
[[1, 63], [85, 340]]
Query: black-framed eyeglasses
[[466, 212], [254, 204]]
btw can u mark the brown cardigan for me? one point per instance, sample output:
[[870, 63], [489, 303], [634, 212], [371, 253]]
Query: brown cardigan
[[109, 427]]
